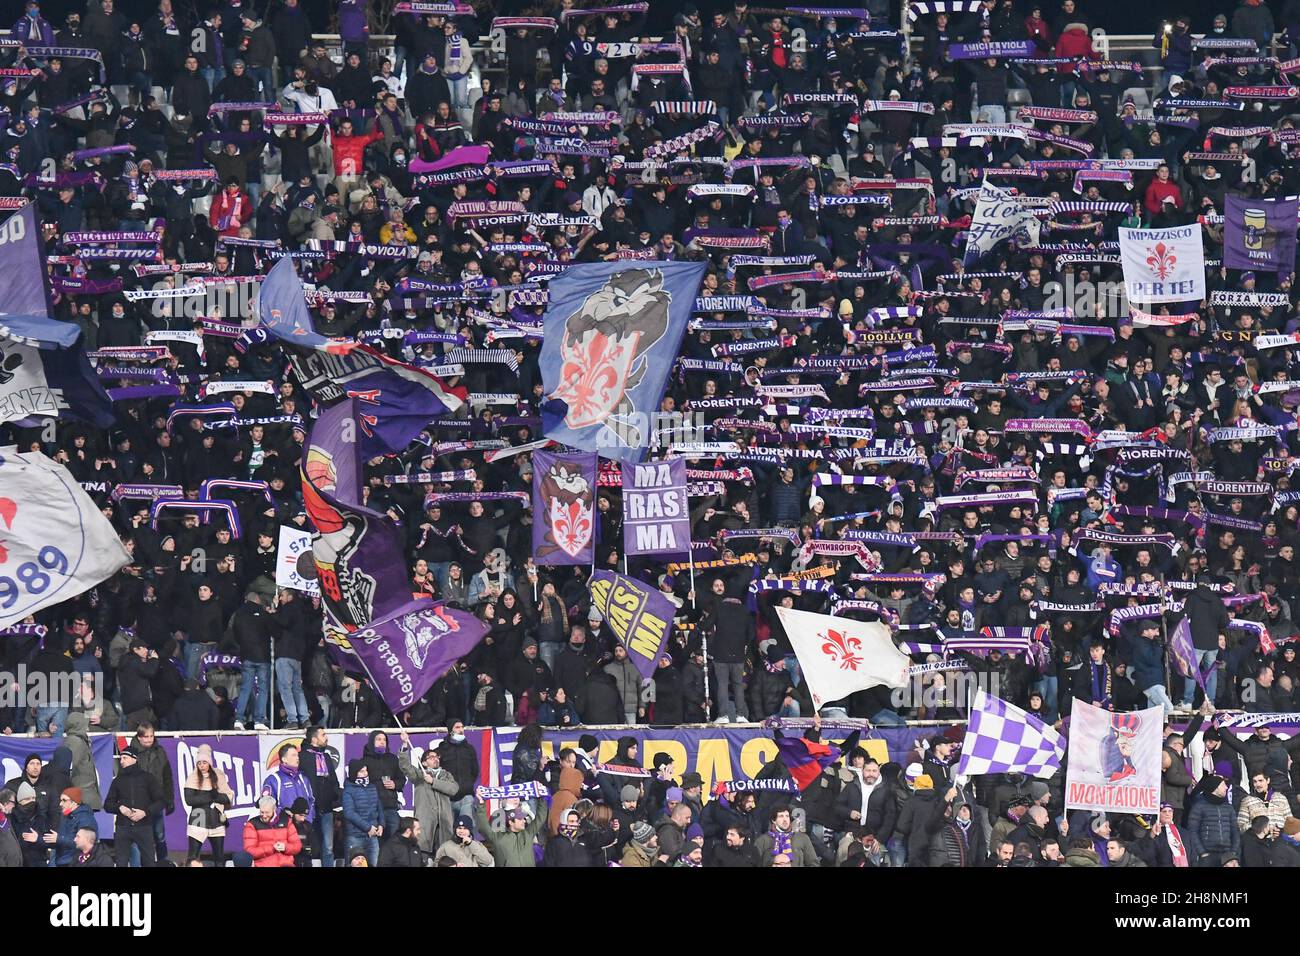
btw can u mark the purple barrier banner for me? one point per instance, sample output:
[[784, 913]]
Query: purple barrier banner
[[14, 750], [715, 753], [246, 758]]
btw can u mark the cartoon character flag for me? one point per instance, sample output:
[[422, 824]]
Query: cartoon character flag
[[840, 656], [612, 330], [1114, 760], [564, 508], [44, 371], [358, 552]]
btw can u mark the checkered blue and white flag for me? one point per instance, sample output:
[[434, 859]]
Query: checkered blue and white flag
[[1002, 738]]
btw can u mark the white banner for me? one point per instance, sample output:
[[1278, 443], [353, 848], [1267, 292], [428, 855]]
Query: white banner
[[24, 391], [54, 542], [840, 656], [999, 215], [294, 567], [1114, 760], [1163, 265]]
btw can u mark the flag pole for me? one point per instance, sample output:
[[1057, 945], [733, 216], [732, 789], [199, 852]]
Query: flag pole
[[1164, 635], [691, 559]]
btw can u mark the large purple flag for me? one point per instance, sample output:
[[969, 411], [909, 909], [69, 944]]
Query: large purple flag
[[656, 511], [564, 508], [358, 552], [1183, 652], [1259, 234], [1003, 738], [406, 651]]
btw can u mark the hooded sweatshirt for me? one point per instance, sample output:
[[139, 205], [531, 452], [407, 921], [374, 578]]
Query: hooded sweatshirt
[[568, 794]]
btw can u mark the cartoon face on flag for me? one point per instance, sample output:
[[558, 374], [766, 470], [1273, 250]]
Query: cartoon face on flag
[[603, 340], [1114, 760], [564, 508], [611, 331]]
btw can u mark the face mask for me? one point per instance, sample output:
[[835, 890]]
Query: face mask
[[381, 748], [458, 738], [576, 647]]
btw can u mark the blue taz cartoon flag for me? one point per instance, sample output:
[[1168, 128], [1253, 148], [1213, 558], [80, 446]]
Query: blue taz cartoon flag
[[44, 371], [612, 331], [396, 401]]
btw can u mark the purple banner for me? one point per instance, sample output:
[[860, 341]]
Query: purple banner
[[656, 512], [359, 552], [245, 759], [405, 652], [715, 753], [1259, 234], [981, 51], [564, 508], [14, 751]]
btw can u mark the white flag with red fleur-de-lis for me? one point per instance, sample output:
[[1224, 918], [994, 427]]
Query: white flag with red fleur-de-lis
[[1163, 265], [839, 656]]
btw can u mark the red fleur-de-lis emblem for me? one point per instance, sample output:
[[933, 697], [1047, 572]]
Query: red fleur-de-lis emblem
[[1162, 261], [840, 647]]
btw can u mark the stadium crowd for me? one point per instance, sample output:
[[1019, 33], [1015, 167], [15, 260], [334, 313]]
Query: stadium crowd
[[761, 141]]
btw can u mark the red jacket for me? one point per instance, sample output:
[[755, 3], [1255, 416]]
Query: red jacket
[[261, 837], [1076, 43], [1154, 199], [348, 153], [228, 212]]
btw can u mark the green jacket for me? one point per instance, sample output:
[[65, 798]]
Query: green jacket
[[509, 849]]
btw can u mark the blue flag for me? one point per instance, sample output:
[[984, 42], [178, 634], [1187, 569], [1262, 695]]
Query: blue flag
[[44, 371], [396, 401], [612, 330]]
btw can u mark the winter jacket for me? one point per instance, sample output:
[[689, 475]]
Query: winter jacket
[[471, 854], [361, 810], [1260, 755], [65, 849], [882, 808], [402, 851], [83, 772], [1175, 782], [287, 784], [134, 788], [801, 850], [261, 836], [433, 792], [567, 852], [566, 796], [950, 847], [383, 765], [509, 849], [321, 772], [1209, 618], [461, 761], [628, 681], [1212, 828], [11, 854], [1276, 807]]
